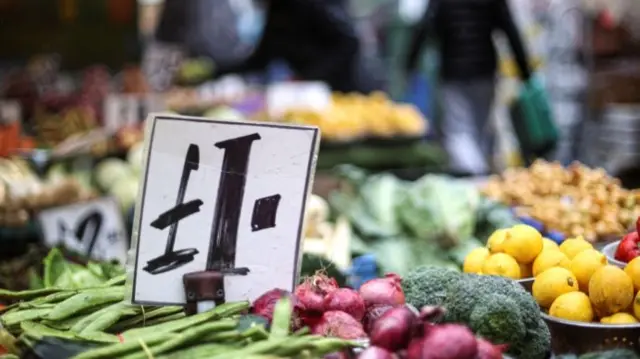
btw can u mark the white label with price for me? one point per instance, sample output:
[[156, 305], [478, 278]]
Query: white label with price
[[129, 110], [94, 228], [220, 196]]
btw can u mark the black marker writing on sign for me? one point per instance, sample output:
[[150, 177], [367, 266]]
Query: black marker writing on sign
[[172, 259], [233, 178], [86, 231]]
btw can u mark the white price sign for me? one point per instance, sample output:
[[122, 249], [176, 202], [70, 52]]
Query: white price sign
[[221, 196], [93, 228], [282, 97], [129, 110]]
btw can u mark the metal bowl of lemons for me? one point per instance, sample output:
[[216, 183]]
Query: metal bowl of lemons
[[610, 251], [588, 312]]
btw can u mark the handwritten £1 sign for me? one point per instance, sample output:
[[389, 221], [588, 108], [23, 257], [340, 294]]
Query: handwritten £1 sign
[[94, 228], [222, 196]]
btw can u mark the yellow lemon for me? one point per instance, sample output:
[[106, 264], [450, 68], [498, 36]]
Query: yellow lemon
[[636, 306], [523, 243], [549, 244], [610, 290], [633, 270], [501, 264], [572, 246], [572, 306], [584, 264], [525, 270], [495, 241], [474, 261], [551, 284], [619, 318], [548, 259]]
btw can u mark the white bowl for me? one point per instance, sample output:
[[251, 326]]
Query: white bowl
[[610, 251]]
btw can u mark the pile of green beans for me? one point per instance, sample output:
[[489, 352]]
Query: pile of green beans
[[100, 315]]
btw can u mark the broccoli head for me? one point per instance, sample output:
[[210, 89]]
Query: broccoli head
[[427, 285], [536, 344], [463, 295], [497, 318]]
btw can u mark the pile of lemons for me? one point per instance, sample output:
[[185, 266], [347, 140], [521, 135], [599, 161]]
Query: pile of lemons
[[572, 281], [511, 253]]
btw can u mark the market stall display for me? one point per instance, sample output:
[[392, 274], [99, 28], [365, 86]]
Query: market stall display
[[353, 116], [574, 201]]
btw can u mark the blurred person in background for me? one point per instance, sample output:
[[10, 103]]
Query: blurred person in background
[[463, 31], [316, 38]]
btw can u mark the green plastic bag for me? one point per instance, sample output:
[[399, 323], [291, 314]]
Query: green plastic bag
[[533, 121]]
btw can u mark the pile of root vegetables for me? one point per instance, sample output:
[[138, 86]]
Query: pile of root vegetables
[[377, 312]]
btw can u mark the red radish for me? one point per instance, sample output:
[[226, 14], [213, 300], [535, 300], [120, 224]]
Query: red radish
[[487, 350], [312, 291], [446, 341], [375, 353], [339, 324], [346, 300], [373, 313], [387, 291], [394, 329]]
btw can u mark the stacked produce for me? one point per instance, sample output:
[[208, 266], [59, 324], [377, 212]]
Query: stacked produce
[[22, 193], [355, 116], [495, 308], [435, 220], [576, 201]]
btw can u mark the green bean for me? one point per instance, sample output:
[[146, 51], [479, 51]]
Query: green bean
[[9, 356], [202, 351], [324, 346], [281, 323], [218, 312], [187, 337], [167, 318], [17, 317], [293, 346], [56, 297], [32, 305], [65, 324], [146, 316], [265, 346], [98, 337], [26, 294], [121, 349], [115, 281], [85, 300], [302, 331], [103, 322], [80, 325], [38, 331]]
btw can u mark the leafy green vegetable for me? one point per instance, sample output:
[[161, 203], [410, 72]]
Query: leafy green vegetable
[[61, 273]]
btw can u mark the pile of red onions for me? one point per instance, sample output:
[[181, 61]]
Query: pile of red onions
[[401, 333], [377, 311]]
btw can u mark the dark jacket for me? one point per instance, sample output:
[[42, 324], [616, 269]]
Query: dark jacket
[[463, 30], [316, 38]]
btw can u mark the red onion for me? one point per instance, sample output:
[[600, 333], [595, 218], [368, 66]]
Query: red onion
[[487, 350], [379, 291], [394, 329], [375, 353], [373, 313], [447, 341], [263, 306], [345, 300], [312, 291], [339, 324]]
